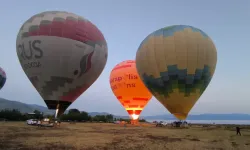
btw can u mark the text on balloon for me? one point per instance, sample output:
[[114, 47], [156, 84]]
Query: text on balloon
[[35, 64], [128, 76], [124, 85], [30, 51]]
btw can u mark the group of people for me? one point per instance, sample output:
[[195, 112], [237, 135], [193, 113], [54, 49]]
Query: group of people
[[173, 124], [49, 123]]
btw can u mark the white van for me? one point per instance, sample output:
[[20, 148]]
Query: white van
[[32, 122]]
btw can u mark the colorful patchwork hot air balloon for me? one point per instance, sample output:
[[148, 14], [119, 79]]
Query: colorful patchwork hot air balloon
[[2, 78], [176, 64], [129, 89], [62, 54]]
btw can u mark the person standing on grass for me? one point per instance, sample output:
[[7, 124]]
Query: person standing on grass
[[238, 131]]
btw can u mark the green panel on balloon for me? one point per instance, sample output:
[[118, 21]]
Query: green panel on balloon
[[175, 84], [181, 88], [196, 81]]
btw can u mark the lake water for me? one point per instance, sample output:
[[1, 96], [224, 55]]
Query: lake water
[[241, 122]]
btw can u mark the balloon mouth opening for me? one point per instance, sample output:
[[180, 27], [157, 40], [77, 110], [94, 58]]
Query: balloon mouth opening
[[134, 116], [180, 116]]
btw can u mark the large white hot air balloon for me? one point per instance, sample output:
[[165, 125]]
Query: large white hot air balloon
[[62, 54]]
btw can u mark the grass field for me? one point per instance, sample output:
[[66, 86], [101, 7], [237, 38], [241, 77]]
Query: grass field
[[98, 136]]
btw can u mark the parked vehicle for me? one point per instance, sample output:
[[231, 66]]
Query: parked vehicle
[[32, 122]]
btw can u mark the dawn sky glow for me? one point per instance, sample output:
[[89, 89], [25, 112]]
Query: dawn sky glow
[[124, 25]]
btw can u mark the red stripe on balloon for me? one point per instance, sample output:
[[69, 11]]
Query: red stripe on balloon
[[119, 97], [136, 112], [130, 112], [140, 99], [120, 67], [130, 61], [89, 62], [83, 31]]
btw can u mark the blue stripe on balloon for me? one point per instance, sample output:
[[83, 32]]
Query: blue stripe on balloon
[[178, 78]]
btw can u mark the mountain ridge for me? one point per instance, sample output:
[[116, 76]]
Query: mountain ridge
[[27, 108]]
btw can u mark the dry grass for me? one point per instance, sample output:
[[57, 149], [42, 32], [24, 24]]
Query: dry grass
[[97, 136]]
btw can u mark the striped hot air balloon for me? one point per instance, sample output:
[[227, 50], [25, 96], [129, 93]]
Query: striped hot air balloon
[[176, 64], [129, 89], [62, 54]]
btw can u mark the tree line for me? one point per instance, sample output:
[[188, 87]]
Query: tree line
[[72, 115]]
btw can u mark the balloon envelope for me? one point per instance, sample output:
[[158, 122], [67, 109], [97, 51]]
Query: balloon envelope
[[129, 89], [62, 54], [2, 78], [176, 64]]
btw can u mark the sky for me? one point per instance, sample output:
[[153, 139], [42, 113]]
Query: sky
[[124, 25]]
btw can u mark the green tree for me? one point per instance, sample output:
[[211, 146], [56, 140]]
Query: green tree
[[76, 115], [64, 117], [109, 118], [36, 111], [142, 120], [74, 111], [12, 115], [90, 118], [84, 116], [103, 118], [38, 114]]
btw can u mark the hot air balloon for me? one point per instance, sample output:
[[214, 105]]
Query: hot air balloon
[[2, 78], [176, 64], [129, 89], [62, 54]]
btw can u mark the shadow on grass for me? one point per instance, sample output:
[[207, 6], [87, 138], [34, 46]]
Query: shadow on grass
[[163, 138]]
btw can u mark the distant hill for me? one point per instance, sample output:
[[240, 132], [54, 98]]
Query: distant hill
[[27, 108], [160, 117], [202, 117], [22, 107], [97, 113], [219, 117]]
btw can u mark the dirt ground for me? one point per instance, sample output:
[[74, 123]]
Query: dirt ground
[[101, 136]]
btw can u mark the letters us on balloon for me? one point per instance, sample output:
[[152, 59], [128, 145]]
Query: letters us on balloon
[[30, 51]]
